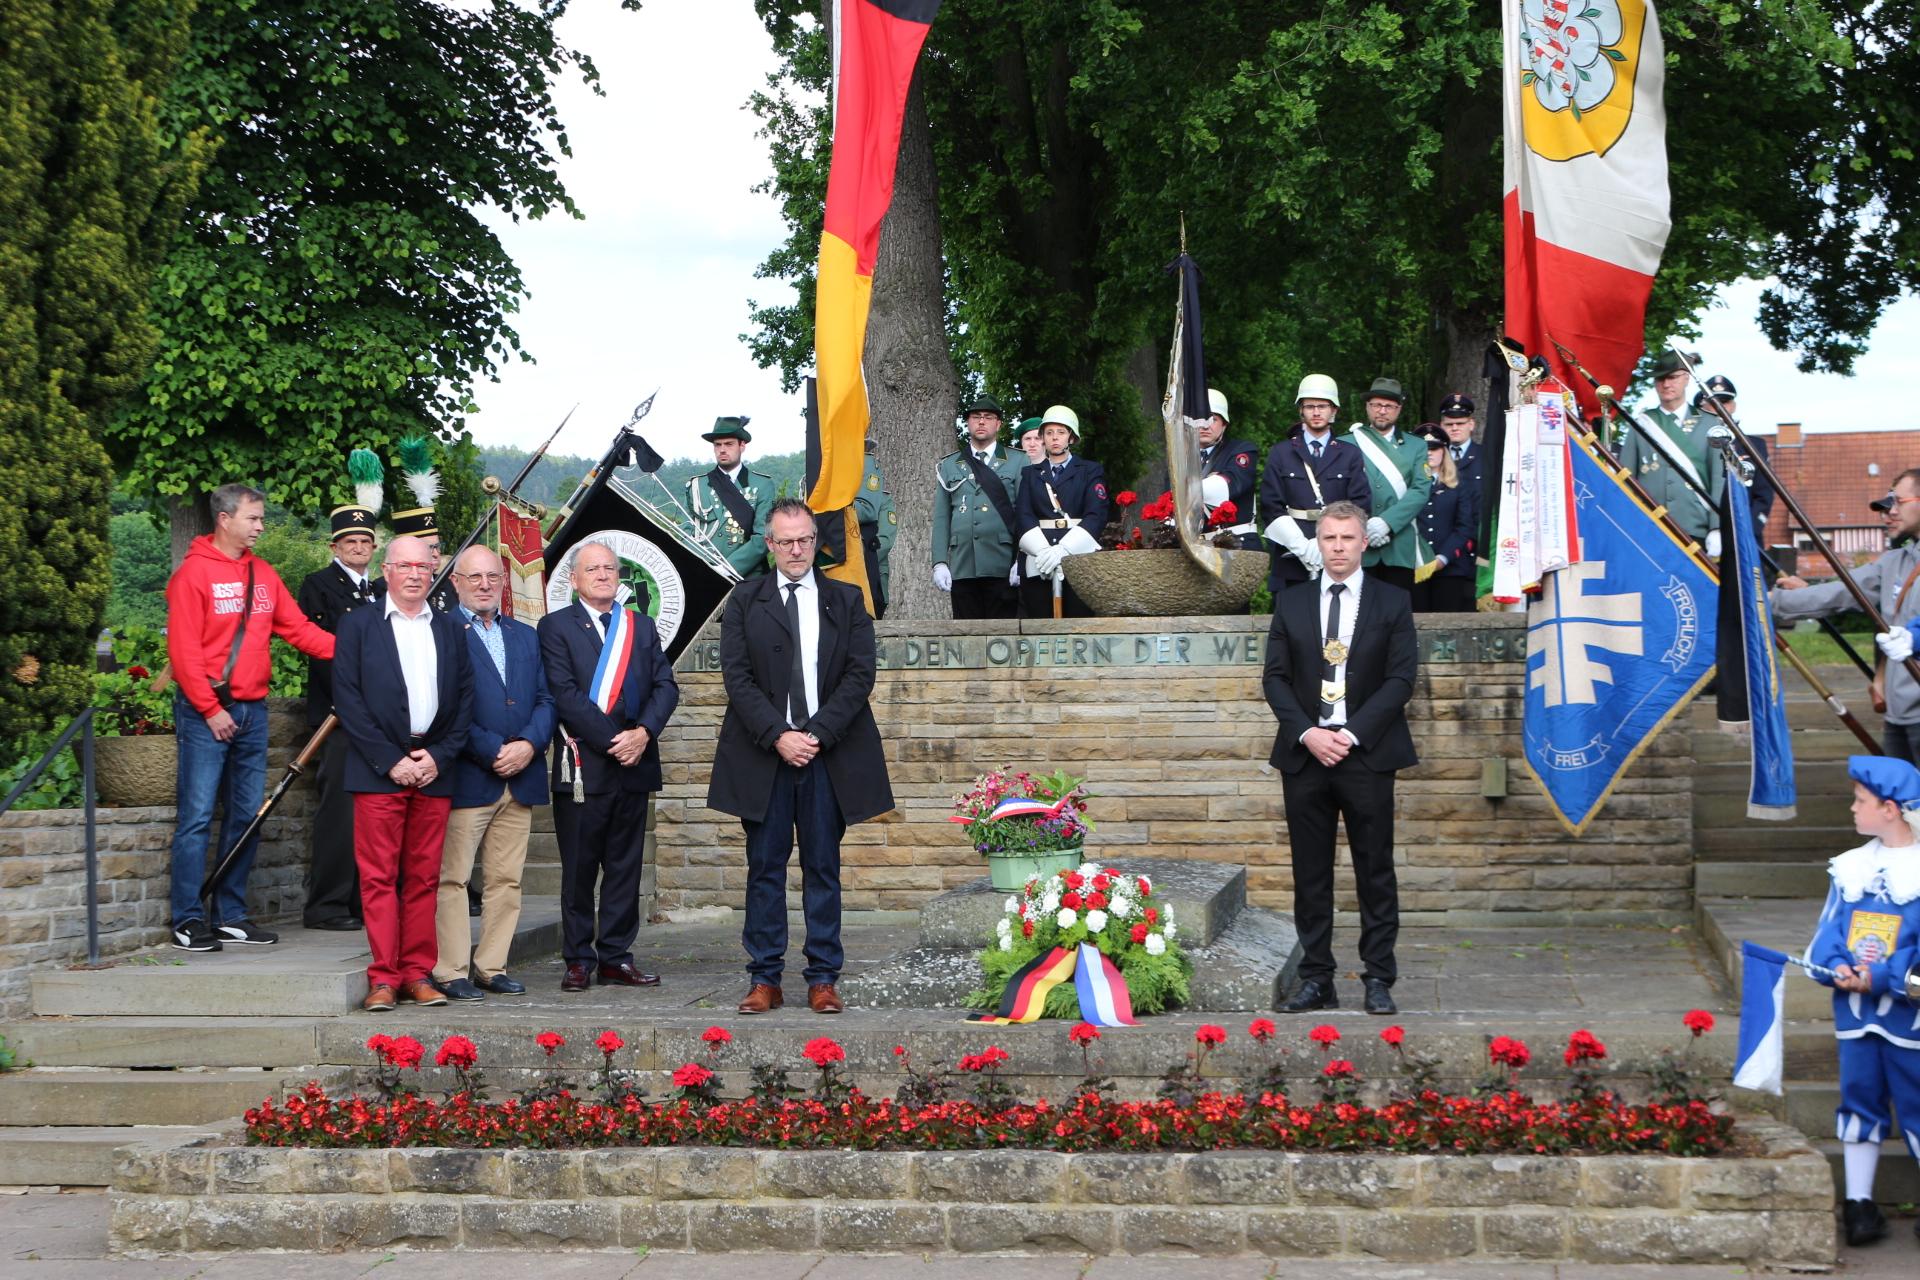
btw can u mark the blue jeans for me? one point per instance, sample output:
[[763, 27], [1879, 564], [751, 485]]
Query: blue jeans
[[802, 803], [234, 773]]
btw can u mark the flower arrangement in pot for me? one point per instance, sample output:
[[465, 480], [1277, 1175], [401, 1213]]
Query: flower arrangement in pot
[[1134, 526], [1025, 824], [134, 762]]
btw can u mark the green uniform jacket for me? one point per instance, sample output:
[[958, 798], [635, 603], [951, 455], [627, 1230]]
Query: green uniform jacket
[[875, 506], [1402, 514], [969, 537], [747, 553], [1667, 484]]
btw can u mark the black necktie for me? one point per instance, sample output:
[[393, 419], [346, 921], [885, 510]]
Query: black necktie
[[797, 679], [1206, 456], [981, 456], [1327, 668], [1315, 445], [606, 622]]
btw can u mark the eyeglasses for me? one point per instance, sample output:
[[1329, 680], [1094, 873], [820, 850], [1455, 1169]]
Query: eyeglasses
[[488, 579], [794, 544], [409, 566]]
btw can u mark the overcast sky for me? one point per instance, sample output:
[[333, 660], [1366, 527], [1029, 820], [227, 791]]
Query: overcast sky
[[651, 288]]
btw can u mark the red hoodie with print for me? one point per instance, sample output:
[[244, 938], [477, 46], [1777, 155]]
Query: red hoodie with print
[[204, 599]]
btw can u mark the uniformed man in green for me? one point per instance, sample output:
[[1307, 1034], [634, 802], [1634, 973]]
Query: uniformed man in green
[[1397, 472], [973, 518], [1677, 454], [730, 503], [878, 522]]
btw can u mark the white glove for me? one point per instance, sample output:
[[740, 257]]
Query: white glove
[[1078, 542], [943, 577], [1897, 644], [1013, 576], [1046, 562], [1034, 543], [1378, 535], [1713, 544], [1286, 531], [1214, 490], [1310, 558]]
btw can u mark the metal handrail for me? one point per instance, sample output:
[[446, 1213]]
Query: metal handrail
[[83, 725]]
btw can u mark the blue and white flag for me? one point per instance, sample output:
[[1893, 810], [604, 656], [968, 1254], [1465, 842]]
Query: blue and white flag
[[1763, 986], [1750, 698], [1616, 645]]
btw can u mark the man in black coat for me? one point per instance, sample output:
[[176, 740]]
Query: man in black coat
[[606, 763], [799, 751], [1062, 507], [327, 596], [1339, 674]]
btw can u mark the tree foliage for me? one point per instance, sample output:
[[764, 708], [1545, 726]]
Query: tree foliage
[[1338, 166], [334, 285], [88, 196]]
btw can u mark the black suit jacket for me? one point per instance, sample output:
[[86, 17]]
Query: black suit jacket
[[757, 664], [326, 597], [570, 648], [1082, 489], [370, 697], [1381, 667]]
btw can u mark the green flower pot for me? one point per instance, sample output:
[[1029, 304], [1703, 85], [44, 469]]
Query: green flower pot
[[1011, 871]]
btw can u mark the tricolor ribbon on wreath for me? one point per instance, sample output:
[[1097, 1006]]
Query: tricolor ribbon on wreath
[[1096, 979]]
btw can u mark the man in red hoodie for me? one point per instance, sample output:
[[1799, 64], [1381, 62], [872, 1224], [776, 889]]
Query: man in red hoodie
[[220, 673]]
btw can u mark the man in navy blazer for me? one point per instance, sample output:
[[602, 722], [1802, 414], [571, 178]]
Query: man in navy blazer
[[606, 764], [403, 689], [1062, 507], [501, 776]]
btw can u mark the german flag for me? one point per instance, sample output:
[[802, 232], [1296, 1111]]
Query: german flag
[[875, 46]]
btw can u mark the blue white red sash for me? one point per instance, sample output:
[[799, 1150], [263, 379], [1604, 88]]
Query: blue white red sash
[[610, 674]]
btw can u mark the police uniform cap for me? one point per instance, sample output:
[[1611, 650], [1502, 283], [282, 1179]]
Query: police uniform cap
[[351, 518], [1457, 405], [1887, 779], [983, 404], [1720, 387], [1435, 437], [728, 429]]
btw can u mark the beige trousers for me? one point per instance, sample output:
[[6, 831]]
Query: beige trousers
[[498, 833]]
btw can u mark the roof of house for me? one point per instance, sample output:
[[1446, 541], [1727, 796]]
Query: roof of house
[[1835, 474]]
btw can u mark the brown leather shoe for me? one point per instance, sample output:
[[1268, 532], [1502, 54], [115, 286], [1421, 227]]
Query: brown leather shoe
[[579, 977], [625, 975], [421, 992], [379, 999], [763, 998], [822, 998]]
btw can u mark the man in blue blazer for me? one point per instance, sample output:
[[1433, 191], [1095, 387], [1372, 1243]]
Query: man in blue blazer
[[403, 689], [500, 777], [606, 763], [1062, 507]]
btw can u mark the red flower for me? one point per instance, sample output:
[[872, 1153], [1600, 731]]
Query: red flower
[[610, 1043], [717, 1036], [1211, 1036], [1583, 1047], [823, 1052], [1698, 1021], [1126, 497], [1509, 1052], [1084, 1033], [1095, 901], [1144, 885], [1073, 880], [692, 1076], [1070, 899], [1394, 1035], [1261, 1029], [1138, 933], [1324, 1035], [899, 1051], [993, 1055], [1103, 881], [1337, 1069], [138, 672], [1224, 514], [406, 1052], [379, 1045], [457, 1051], [1152, 915], [549, 1040], [1026, 929]]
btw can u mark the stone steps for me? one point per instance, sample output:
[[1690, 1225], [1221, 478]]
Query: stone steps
[[76, 1156], [1895, 1183], [93, 1097], [1797, 880], [164, 1042], [1784, 924], [1772, 842]]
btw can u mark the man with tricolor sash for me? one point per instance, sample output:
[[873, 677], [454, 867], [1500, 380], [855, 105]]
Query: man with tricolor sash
[[1398, 476], [729, 504], [614, 691]]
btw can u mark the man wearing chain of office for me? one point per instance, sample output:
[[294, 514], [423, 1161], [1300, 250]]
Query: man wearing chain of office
[[730, 503]]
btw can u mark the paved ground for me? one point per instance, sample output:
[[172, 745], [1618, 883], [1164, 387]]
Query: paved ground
[[64, 1237]]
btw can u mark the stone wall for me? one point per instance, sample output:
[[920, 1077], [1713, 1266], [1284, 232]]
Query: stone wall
[[1773, 1207], [1166, 719], [43, 879]]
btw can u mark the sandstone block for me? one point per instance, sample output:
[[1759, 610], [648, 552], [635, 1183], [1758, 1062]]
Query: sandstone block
[[487, 1223], [322, 1172], [1523, 1233], [1213, 1232], [1295, 1233], [989, 1176], [1493, 1181], [1801, 1239], [1365, 1182], [543, 1175], [835, 1175], [853, 1227], [653, 1226], [1413, 1235], [1240, 1177], [620, 1171], [252, 1222], [988, 1228], [1644, 1237], [1752, 1184], [259, 1170], [701, 1173], [381, 1221], [448, 1172], [1629, 1182], [144, 1224], [753, 1226], [1118, 1179]]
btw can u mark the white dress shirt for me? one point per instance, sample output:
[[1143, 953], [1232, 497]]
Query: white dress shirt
[[419, 663], [359, 578], [808, 601], [1319, 439], [1349, 610]]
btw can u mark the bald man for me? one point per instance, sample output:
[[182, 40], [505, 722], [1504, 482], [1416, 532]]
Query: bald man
[[403, 689]]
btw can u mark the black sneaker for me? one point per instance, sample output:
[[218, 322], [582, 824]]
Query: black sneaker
[[1863, 1221], [194, 935], [250, 935]]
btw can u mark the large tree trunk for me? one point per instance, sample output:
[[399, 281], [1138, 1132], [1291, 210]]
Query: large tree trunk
[[911, 385], [187, 519]]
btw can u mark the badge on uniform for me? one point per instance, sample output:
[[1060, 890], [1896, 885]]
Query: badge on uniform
[[1241, 460], [1871, 935], [1100, 492], [1332, 691], [1334, 652]]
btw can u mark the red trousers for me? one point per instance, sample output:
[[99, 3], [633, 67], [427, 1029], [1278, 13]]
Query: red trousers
[[396, 843]]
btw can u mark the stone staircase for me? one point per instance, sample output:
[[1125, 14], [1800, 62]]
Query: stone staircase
[[1766, 881]]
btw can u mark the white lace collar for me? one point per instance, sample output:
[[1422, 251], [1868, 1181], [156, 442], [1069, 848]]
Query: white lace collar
[[1883, 872]]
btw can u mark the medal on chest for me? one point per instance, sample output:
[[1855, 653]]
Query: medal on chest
[[1334, 652]]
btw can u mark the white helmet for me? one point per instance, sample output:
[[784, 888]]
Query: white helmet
[[1318, 386], [1217, 403], [1064, 416]]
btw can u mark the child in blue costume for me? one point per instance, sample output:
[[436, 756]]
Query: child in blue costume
[[1869, 935]]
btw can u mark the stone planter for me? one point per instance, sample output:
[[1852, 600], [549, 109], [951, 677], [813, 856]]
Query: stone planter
[[1773, 1207], [135, 772], [1163, 584], [1011, 871]]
